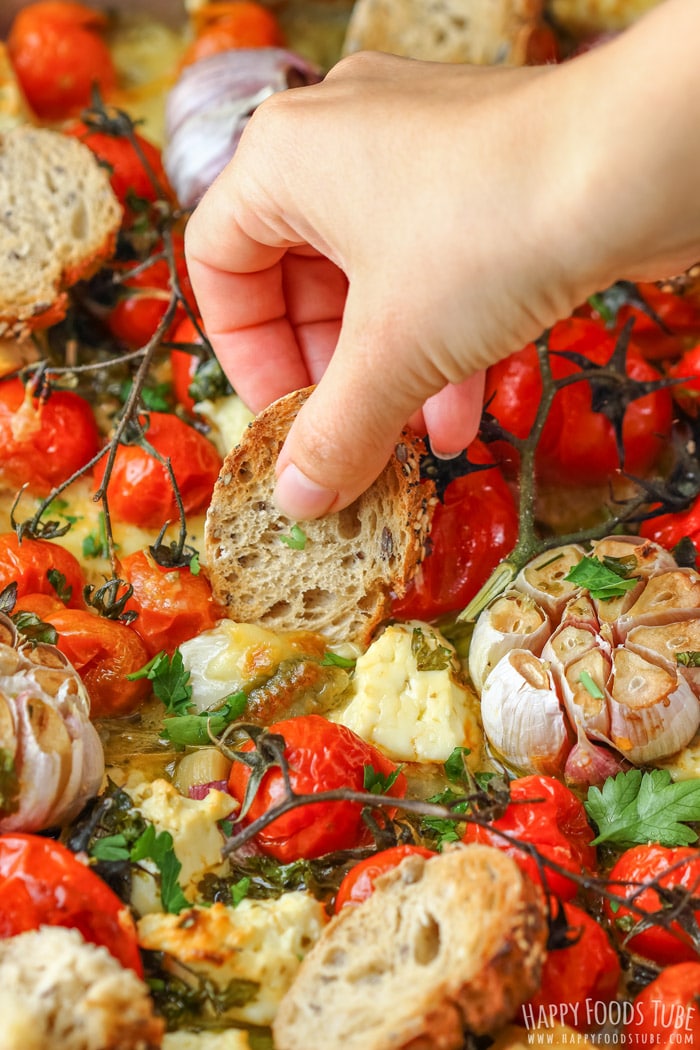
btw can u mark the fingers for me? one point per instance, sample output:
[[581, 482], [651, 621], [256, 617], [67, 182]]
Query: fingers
[[452, 416]]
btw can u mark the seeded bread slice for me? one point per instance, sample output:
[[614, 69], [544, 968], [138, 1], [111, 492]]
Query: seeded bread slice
[[58, 222], [337, 578], [450, 944]]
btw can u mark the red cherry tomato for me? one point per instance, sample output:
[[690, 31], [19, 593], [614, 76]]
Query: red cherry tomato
[[322, 755], [129, 177], [29, 563], [139, 489], [578, 445], [641, 864], [670, 529], [43, 442], [547, 814], [688, 394], [58, 54], [680, 314], [43, 884], [103, 653], [184, 365], [136, 316], [474, 527], [577, 978], [666, 1013], [238, 23], [42, 605], [172, 604], [359, 882]]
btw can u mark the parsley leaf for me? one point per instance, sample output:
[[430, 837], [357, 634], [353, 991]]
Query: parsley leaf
[[158, 847], [170, 681], [440, 829], [603, 579], [455, 766], [58, 582], [194, 730], [295, 538], [96, 544], [239, 890], [110, 847], [429, 657], [379, 783], [689, 659], [633, 808], [336, 660], [195, 567]]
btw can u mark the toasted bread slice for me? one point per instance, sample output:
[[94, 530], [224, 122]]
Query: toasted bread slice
[[587, 17], [481, 32], [443, 946], [58, 223], [337, 579]]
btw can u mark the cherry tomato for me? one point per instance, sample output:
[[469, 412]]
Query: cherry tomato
[[641, 864], [29, 563], [577, 978], [578, 445], [666, 1012], [103, 653], [183, 364], [43, 884], [322, 755], [129, 177], [136, 316], [58, 54], [238, 23], [42, 605], [547, 814], [172, 604], [688, 394], [680, 314], [43, 441], [473, 528], [670, 529], [139, 489], [359, 882]]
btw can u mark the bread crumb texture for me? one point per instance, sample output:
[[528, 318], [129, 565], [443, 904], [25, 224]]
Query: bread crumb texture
[[58, 223], [444, 946], [58, 991], [336, 575]]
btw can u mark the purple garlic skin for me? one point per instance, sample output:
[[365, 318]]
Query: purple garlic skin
[[210, 105]]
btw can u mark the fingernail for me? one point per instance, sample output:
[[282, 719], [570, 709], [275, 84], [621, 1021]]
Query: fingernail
[[447, 455], [300, 498]]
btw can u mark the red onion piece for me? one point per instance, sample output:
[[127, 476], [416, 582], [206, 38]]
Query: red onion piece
[[200, 791]]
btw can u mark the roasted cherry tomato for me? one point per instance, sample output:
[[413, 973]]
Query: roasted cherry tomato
[[642, 864], [670, 529], [43, 441], [577, 978], [103, 653], [172, 604], [322, 755], [688, 394], [146, 296], [359, 882], [183, 364], [547, 814], [473, 528], [237, 23], [43, 884], [41, 567], [139, 489], [666, 1014], [679, 314], [578, 445], [42, 605], [58, 53]]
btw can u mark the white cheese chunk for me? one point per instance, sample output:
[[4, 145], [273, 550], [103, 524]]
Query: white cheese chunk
[[411, 715], [228, 417], [261, 941], [233, 1039]]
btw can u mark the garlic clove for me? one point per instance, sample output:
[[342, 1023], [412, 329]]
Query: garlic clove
[[671, 596], [665, 643], [649, 558], [583, 690], [522, 717], [580, 611], [653, 713], [544, 578], [610, 611], [568, 643], [589, 763], [513, 621]]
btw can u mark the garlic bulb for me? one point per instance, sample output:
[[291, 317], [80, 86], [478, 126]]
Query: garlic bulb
[[52, 756], [513, 621], [210, 105], [619, 670]]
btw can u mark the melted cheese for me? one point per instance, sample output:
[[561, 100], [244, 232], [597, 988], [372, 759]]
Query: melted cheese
[[233, 1039], [262, 941], [228, 417], [411, 715]]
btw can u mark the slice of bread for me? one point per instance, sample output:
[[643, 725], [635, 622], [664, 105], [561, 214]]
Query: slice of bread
[[481, 32], [443, 946], [339, 582], [58, 222]]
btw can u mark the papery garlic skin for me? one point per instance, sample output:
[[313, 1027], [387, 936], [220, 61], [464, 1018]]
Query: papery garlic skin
[[513, 621], [544, 578]]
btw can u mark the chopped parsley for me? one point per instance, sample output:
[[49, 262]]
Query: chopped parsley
[[295, 538], [689, 659], [379, 783], [170, 680], [335, 660], [429, 657], [197, 729]]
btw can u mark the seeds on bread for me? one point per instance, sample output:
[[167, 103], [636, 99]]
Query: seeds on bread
[[444, 946], [58, 223], [337, 578]]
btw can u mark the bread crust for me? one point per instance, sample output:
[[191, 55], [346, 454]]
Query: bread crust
[[340, 583]]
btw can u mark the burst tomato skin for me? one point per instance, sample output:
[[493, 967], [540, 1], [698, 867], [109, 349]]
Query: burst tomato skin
[[359, 882], [136, 316], [578, 445], [665, 1013], [139, 490], [58, 54], [547, 814], [474, 527], [322, 755], [128, 178], [172, 604], [238, 23], [43, 441], [670, 529], [43, 884], [576, 978], [103, 653], [641, 864], [28, 563]]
